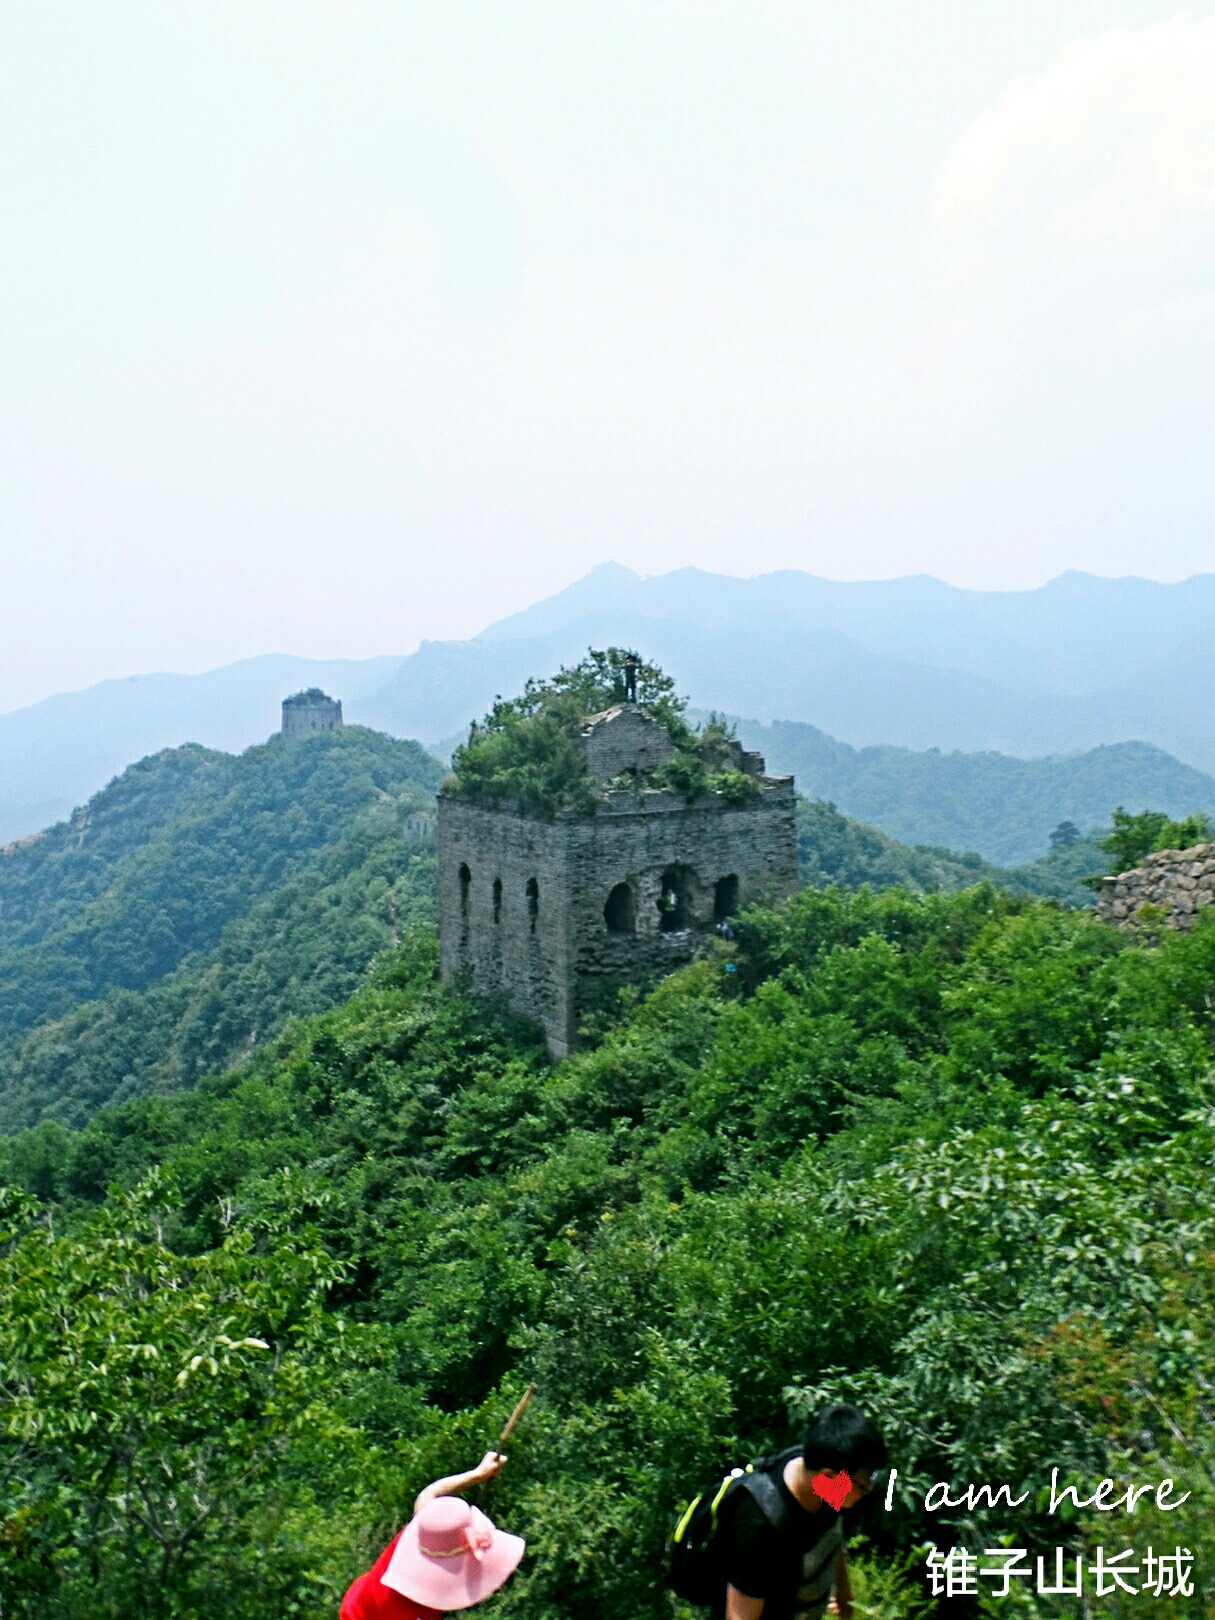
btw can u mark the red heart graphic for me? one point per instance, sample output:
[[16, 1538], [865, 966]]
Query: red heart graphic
[[832, 1491]]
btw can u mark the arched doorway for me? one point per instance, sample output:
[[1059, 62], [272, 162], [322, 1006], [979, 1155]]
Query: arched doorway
[[619, 913], [675, 907], [725, 898]]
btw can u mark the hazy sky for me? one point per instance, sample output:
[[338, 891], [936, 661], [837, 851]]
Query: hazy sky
[[324, 328]]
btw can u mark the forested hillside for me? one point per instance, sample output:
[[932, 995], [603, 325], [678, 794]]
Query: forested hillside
[[835, 849], [949, 1156], [194, 905], [290, 1224], [305, 947], [48, 879], [1004, 808]]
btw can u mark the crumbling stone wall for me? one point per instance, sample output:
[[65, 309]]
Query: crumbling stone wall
[[1176, 883], [554, 915], [624, 738]]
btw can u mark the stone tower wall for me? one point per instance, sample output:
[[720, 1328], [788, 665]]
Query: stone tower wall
[[506, 955], [1175, 882], [624, 738], [302, 715], [562, 967]]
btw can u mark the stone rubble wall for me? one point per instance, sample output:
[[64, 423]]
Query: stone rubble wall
[[1176, 883]]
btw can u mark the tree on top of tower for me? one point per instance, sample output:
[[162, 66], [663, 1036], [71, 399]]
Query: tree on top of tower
[[598, 682], [528, 752]]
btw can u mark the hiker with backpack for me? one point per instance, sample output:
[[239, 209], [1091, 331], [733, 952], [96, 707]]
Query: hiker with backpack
[[768, 1540]]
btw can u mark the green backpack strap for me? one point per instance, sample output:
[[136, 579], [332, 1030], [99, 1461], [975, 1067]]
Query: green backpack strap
[[719, 1497]]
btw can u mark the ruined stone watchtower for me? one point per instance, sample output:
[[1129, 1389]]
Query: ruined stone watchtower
[[554, 914], [311, 711]]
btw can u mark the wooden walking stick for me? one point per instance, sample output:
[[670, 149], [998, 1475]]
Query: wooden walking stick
[[516, 1415], [507, 1432]]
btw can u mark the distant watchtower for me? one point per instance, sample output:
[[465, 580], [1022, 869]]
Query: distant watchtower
[[311, 711], [556, 914]]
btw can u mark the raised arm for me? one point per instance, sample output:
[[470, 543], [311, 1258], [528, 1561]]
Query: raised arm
[[492, 1463]]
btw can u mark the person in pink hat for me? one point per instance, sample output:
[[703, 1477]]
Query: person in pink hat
[[448, 1557]]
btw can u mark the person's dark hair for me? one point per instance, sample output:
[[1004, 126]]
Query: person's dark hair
[[842, 1437]]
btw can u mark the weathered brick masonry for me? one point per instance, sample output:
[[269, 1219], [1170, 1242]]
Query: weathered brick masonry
[[1175, 883], [555, 914], [306, 712]]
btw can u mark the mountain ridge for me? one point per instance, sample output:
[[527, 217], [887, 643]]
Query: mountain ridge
[[1004, 809], [84, 911], [58, 752], [862, 609], [1077, 663]]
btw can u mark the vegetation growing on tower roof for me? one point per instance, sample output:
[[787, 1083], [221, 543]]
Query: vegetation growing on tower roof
[[527, 751]]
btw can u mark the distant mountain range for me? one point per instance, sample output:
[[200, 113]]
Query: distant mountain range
[[1081, 663], [911, 662]]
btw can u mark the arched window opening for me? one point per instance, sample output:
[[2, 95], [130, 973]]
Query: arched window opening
[[618, 914], [533, 903], [497, 899], [725, 898], [675, 899], [465, 886]]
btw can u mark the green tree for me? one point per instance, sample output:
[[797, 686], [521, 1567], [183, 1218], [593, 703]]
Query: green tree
[[1131, 838], [153, 1408], [1065, 835]]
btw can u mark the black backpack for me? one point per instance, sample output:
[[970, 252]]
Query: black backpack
[[697, 1569]]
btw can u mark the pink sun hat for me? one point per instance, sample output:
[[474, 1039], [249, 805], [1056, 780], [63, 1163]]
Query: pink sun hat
[[450, 1556]]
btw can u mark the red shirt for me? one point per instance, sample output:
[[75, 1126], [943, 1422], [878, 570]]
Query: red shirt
[[370, 1599]]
